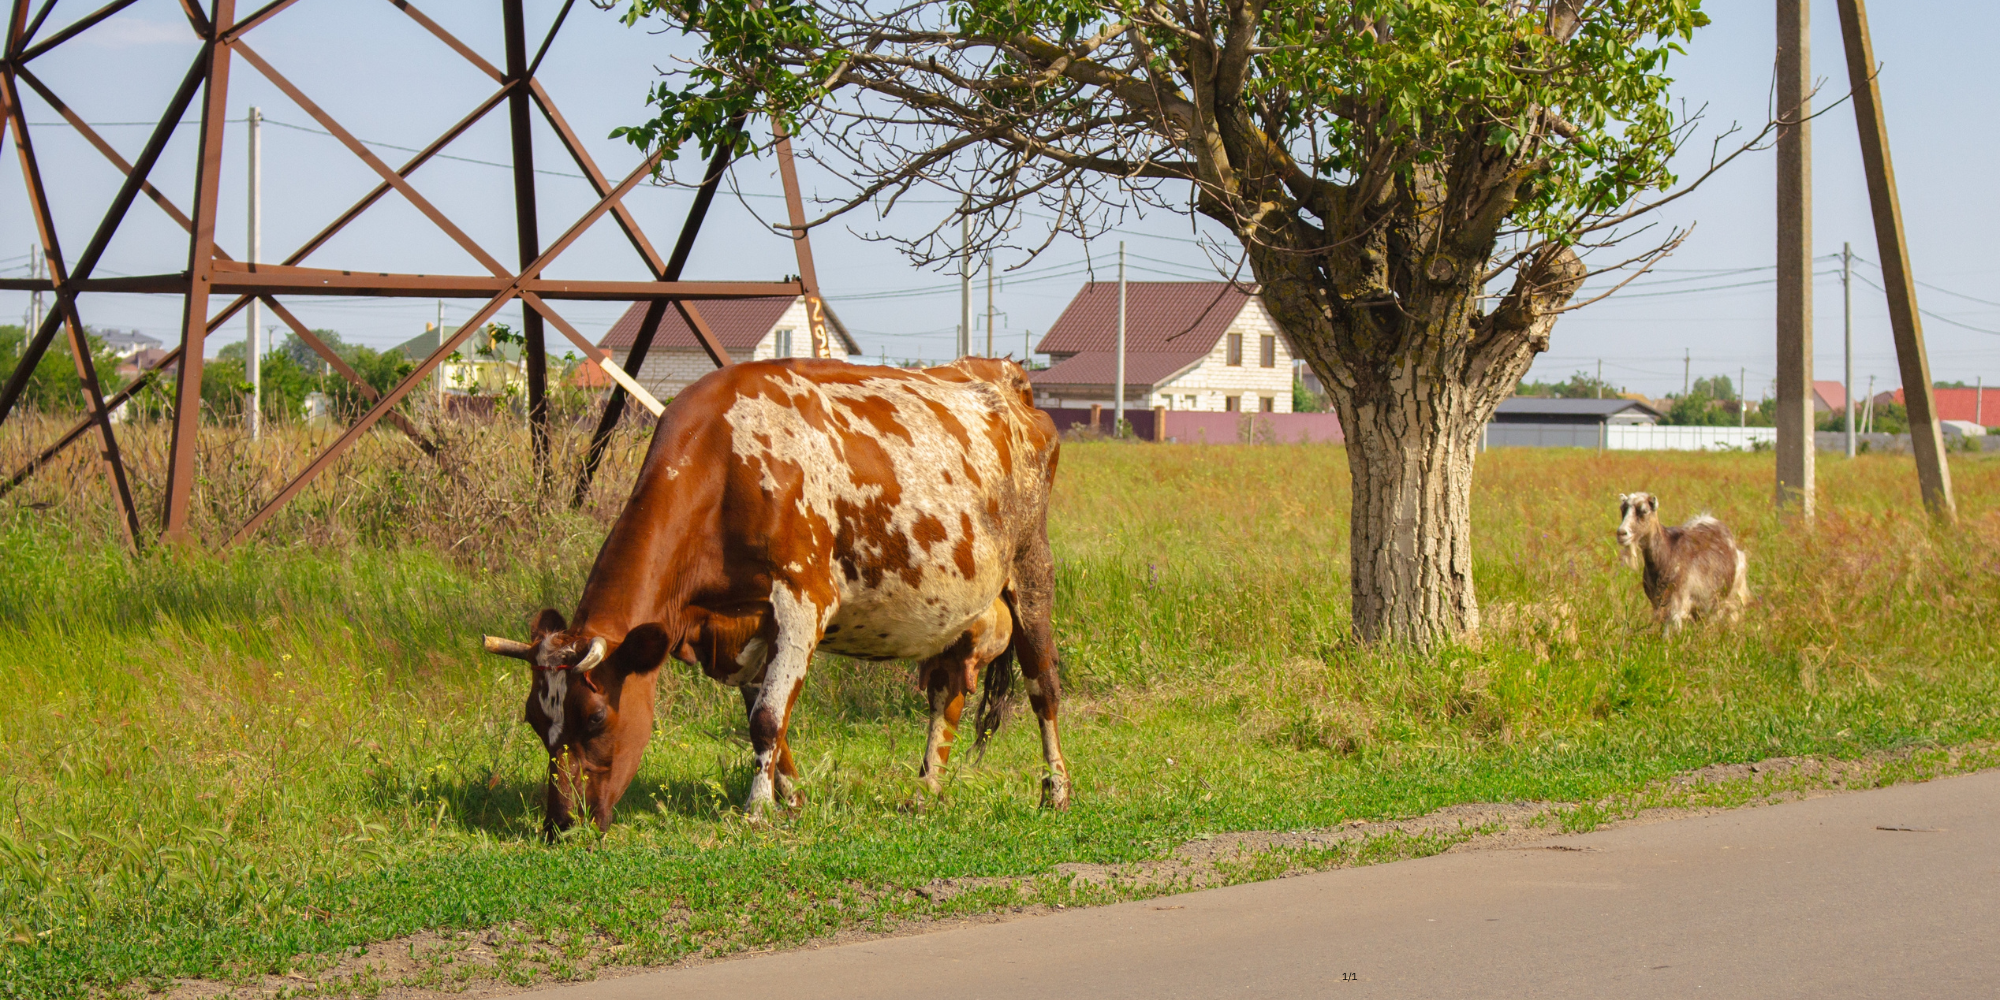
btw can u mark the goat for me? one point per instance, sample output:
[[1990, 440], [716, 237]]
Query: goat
[[1691, 571]]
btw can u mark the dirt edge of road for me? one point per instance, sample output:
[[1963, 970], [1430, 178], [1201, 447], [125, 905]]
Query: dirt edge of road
[[507, 960]]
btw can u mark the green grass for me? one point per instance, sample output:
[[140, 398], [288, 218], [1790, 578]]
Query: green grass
[[221, 767]]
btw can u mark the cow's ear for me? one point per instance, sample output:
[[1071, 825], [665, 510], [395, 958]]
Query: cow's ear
[[547, 622], [642, 651]]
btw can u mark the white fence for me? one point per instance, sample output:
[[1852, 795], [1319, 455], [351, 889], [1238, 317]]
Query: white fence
[[1630, 437], [1657, 438]]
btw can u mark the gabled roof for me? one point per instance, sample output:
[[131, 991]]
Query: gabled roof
[[1544, 406], [1100, 368], [1161, 317], [738, 323], [1169, 327], [1962, 404], [1831, 395]]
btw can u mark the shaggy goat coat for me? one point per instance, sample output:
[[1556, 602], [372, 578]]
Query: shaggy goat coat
[[1693, 570]]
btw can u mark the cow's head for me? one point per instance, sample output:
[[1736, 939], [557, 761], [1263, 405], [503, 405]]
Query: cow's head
[[1638, 516], [590, 700]]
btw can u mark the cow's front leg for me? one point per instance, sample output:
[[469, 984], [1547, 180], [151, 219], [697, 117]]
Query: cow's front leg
[[798, 622]]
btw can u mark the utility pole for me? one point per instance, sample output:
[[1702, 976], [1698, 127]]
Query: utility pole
[[989, 305], [1979, 401], [1600, 378], [1926, 438], [253, 341], [1869, 426], [1742, 398], [438, 375], [965, 277], [1794, 314], [1847, 333], [1687, 369], [1118, 405]]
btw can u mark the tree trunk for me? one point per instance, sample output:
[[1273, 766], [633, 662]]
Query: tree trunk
[[1410, 450], [1415, 376]]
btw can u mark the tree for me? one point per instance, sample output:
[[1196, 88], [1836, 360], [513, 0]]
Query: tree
[[1717, 387], [1581, 385], [55, 387], [1380, 164]]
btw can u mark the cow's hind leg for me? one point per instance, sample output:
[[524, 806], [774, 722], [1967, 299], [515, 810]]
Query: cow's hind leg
[[944, 687], [798, 623], [949, 676], [1035, 647]]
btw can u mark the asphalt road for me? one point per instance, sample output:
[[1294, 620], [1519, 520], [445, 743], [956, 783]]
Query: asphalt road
[[1806, 899]]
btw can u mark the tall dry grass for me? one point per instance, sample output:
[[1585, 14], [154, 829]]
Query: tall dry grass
[[478, 499]]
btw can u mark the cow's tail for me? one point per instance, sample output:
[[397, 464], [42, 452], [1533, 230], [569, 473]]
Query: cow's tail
[[993, 691]]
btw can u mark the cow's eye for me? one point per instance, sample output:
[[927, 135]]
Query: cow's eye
[[597, 717]]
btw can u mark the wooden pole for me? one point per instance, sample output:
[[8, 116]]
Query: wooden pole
[[1933, 474], [1795, 335]]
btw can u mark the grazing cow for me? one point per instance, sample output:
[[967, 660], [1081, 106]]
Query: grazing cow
[[790, 506], [1691, 570]]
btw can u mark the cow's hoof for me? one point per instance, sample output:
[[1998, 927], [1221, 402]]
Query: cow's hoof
[[1055, 792]]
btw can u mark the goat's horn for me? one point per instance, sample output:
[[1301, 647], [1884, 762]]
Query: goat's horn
[[508, 647], [595, 656]]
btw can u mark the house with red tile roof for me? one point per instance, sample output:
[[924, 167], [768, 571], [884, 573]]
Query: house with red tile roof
[[1960, 404], [1189, 345], [1829, 397], [749, 329]]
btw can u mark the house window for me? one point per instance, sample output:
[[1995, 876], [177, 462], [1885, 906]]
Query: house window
[[783, 348], [1190, 401], [1269, 404], [1235, 358], [1267, 351], [1233, 404]]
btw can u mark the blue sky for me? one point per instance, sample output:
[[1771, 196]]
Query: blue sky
[[402, 86]]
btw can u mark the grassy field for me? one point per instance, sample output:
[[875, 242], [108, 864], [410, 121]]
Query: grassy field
[[257, 763]]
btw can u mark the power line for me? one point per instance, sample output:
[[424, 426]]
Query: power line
[[1942, 319]]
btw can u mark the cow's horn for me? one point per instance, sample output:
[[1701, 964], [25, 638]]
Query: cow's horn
[[508, 647], [595, 656]]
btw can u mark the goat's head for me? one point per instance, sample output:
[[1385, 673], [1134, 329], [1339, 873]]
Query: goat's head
[[1638, 516]]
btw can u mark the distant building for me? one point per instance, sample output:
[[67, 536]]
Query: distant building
[[749, 329], [1537, 422], [1959, 404], [1189, 345], [141, 360], [1829, 397], [126, 343], [483, 368]]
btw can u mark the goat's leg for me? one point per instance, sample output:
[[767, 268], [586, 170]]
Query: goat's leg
[[1739, 590], [1679, 606]]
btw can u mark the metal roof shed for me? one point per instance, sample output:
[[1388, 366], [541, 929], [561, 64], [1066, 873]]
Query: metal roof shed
[[1538, 410]]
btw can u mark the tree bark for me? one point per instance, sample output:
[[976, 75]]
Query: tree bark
[[1410, 448]]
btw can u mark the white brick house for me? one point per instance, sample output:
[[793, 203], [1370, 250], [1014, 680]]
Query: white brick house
[[1189, 345], [749, 329]]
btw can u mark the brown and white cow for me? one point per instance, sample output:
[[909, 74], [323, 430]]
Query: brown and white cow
[[791, 506]]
